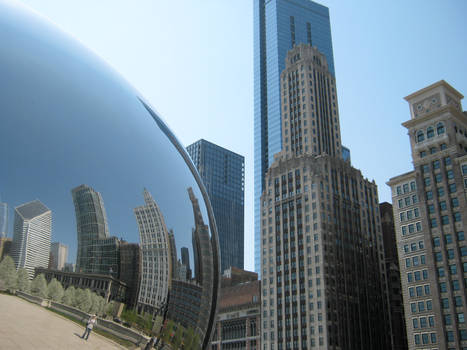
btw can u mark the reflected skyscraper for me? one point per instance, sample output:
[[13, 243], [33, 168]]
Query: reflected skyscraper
[[279, 25], [91, 223], [31, 236], [203, 259], [173, 254], [186, 261], [3, 219], [59, 255], [223, 174], [155, 250], [97, 251]]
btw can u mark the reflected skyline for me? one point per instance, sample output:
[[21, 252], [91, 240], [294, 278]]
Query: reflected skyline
[[70, 122]]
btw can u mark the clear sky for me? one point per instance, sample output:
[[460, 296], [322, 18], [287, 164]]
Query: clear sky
[[193, 61]]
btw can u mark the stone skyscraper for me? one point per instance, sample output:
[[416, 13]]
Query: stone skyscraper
[[31, 236], [156, 256], [430, 215], [279, 25], [223, 174], [323, 280]]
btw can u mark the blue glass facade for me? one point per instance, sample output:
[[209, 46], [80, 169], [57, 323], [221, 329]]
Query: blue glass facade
[[223, 173], [278, 26]]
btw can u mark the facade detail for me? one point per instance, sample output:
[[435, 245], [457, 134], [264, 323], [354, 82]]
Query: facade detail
[[430, 215], [156, 261], [223, 175], [31, 236], [279, 25], [322, 257], [239, 317]]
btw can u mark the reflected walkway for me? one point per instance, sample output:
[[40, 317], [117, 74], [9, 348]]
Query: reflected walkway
[[24, 325]]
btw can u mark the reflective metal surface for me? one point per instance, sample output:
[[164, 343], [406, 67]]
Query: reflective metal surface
[[80, 145]]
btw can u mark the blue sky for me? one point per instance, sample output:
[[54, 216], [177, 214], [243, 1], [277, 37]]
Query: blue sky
[[193, 61]]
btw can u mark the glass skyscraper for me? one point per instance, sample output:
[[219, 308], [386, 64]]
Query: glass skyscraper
[[223, 173], [97, 251], [279, 25]]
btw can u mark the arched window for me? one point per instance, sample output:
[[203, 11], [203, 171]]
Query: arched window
[[430, 132], [420, 136], [440, 128]]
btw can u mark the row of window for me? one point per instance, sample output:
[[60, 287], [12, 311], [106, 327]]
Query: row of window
[[411, 228], [405, 188], [421, 306], [430, 132], [425, 338], [462, 336], [439, 177], [407, 201], [456, 217], [452, 269], [433, 150], [450, 254], [417, 275], [440, 191], [414, 246], [448, 238], [423, 322], [457, 302], [436, 164], [415, 261], [419, 291], [443, 206], [409, 214], [454, 285]]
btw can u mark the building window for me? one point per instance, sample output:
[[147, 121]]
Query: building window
[[440, 191], [460, 236], [440, 128], [420, 136], [430, 132], [444, 220], [452, 188]]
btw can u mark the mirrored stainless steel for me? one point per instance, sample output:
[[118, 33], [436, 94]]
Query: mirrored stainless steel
[[85, 161]]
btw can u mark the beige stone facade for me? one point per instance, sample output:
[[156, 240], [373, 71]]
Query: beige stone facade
[[322, 258], [430, 214]]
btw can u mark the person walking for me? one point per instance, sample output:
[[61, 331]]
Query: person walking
[[89, 326]]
